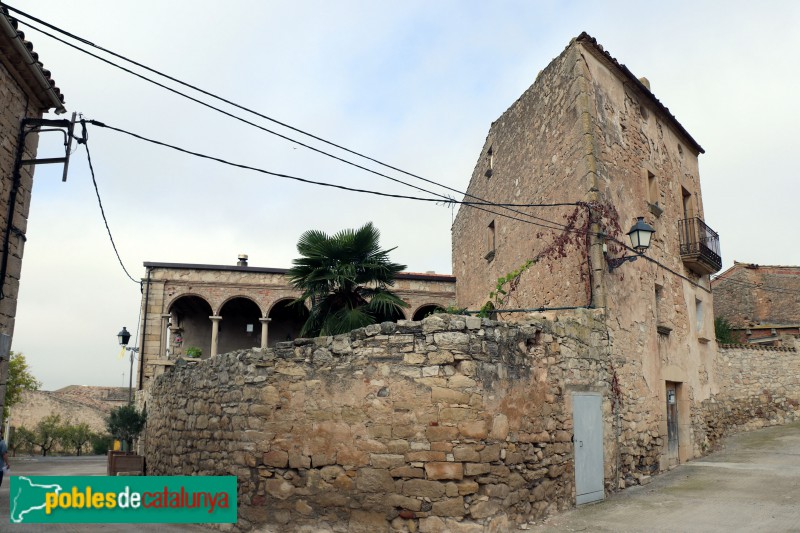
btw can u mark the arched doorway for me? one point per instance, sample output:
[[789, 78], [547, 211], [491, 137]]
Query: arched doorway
[[191, 327], [426, 310], [286, 321], [239, 327]]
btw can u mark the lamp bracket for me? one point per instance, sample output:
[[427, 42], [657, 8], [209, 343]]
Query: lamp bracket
[[615, 263]]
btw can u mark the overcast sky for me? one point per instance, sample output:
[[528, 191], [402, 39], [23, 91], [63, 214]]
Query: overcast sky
[[414, 84]]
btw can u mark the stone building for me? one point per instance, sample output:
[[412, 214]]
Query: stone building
[[26, 92], [596, 378], [74, 404], [761, 302], [590, 134], [191, 310]]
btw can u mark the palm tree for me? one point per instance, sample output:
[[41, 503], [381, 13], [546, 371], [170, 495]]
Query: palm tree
[[345, 277]]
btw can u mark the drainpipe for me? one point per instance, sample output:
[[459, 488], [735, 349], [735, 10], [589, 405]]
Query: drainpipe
[[144, 331]]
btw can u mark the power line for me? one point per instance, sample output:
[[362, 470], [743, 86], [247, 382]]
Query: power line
[[477, 205], [85, 143], [322, 152]]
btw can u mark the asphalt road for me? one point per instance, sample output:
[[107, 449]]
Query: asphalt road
[[72, 466]]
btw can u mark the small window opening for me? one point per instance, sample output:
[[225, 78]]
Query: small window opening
[[489, 163], [490, 238], [688, 210], [698, 312], [652, 188]]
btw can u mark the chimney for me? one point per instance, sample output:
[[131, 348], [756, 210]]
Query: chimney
[[242, 260]]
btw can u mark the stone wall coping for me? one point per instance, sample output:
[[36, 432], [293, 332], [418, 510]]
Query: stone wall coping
[[755, 347]]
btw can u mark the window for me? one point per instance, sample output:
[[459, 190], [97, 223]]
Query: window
[[489, 163], [688, 208], [698, 314], [652, 188], [490, 241]]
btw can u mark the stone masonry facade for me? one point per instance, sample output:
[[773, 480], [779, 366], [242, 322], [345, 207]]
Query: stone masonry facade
[[224, 299], [449, 424], [22, 96], [589, 132]]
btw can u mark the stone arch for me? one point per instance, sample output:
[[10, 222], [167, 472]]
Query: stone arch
[[426, 310], [226, 300], [286, 321], [191, 327], [240, 327]]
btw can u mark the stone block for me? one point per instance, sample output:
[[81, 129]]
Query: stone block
[[441, 433], [385, 460], [442, 394], [424, 488], [347, 456], [367, 522], [403, 502], [456, 414], [276, 458], [466, 453], [374, 480], [279, 488], [483, 509], [407, 472], [500, 427], [444, 470], [473, 429], [476, 469], [425, 456], [491, 453], [467, 487], [442, 357], [449, 507]]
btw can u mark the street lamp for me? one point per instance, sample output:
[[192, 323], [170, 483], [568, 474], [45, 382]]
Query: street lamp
[[124, 336], [640, 235]]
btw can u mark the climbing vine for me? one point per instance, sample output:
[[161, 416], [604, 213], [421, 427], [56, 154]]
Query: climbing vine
[[574, 237]]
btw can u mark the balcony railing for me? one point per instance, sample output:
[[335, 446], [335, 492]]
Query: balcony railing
[[699, 246]]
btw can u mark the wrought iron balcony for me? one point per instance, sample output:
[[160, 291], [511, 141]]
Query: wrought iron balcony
[[699, 246]]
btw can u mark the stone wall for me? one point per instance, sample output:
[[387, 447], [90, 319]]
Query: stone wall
[[759, 386], [449, 424], [36, 405]]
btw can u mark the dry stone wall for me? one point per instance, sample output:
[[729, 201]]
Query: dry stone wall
[[449, 424], [760, 386]]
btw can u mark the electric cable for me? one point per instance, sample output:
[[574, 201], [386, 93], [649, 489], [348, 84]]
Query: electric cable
[[299, 143], [304, 180], [85, 143]]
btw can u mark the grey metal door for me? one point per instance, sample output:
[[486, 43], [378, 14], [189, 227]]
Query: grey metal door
[[587, 418]]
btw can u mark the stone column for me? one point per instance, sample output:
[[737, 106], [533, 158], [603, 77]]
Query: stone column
[[264, 329], [214, 334], [163, 342]]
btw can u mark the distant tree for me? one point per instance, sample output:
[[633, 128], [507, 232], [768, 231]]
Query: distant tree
[[345, 277], [101, 443], [75, 436], [20, 379], [126, 423], [47, 433], [22, 440], [723, 331]]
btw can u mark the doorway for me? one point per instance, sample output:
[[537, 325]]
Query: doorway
[[673, 442], [587, 418]]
